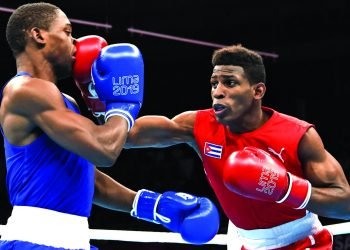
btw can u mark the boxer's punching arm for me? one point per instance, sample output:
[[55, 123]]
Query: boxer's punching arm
[[160, 131], [111, 194], [196, 219], [330, 196], [29, 109]]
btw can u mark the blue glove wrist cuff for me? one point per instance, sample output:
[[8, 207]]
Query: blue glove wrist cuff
[[128, 111], [145, 205], [119, 112]]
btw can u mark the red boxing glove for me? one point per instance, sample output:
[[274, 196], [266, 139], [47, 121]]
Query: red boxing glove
[[88, 49], [253, 173]]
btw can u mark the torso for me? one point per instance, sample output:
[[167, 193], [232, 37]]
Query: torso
[[41, 173], [279, 136]]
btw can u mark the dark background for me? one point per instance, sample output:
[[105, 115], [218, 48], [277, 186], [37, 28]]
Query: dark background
[[309, 79]]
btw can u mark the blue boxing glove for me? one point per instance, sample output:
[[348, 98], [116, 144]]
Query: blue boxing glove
[[118, 76], [195, 218]]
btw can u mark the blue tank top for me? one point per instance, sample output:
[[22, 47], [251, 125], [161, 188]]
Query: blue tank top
[[43, 174]]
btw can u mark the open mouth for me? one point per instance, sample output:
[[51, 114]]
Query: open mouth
[[219, 108]]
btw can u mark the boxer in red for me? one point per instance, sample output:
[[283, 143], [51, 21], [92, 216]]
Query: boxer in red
[[270, 171]]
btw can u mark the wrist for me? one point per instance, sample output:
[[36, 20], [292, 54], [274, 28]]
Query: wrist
[[128, 111], [124, 114], [298, 193], [145, 205]]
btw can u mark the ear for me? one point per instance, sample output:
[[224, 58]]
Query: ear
[[259, 90], [37, 35]]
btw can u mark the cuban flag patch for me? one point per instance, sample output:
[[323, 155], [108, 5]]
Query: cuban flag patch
[[212, 150]]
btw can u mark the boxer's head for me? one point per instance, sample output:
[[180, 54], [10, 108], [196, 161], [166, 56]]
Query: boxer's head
[[24, 18], [237, 55]]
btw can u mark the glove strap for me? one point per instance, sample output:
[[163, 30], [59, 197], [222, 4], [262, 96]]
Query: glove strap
[[119, 112], [298, 193], [145, 207], [98, 114]]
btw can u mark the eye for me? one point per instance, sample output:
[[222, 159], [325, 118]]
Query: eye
[[230, 83], [214, 84]]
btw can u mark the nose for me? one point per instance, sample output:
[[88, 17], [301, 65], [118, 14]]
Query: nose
[[74, 42], [219, 91]]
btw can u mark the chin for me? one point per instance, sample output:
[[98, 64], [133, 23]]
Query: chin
[[221, 120]]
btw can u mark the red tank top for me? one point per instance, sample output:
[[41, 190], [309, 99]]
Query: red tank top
[[279, 136]]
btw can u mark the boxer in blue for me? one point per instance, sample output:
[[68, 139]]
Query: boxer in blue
[[52, 151]]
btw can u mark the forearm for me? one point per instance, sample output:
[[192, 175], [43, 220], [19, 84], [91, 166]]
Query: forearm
[[99, 144], [145, 133], [115, 200], [111, 136], [332, 202], [330, 193], [111, 194], [157, 131]]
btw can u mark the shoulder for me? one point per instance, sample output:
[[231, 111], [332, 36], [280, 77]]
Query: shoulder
[[24, 102], [288, 119], [311, 148], [205, 117], [310, 144], [25, 93], [187, 117]]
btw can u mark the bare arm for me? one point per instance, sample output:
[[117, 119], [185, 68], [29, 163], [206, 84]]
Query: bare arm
[[330, 195], [160, 131], [111, 194], [38, 104]]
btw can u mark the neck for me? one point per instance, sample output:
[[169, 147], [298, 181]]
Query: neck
[[36, 66], [252, 120]]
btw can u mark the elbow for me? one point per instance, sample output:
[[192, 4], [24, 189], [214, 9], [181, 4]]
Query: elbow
[[108, 158], [109, 147], [347, 211], [341, 213], [105, 163], [343, 210], [127, 145], [343, 216]]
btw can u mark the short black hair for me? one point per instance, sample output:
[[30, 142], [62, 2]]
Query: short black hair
[[249, 60], [26, 17]]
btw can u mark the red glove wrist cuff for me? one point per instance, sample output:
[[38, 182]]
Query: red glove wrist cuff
[[298, 193]]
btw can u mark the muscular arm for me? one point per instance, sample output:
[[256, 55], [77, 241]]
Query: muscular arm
[[111, 194], [38, 104], [160, 131], [330, 195]]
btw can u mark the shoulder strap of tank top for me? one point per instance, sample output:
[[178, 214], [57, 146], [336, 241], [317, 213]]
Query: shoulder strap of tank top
[[22, 73]]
